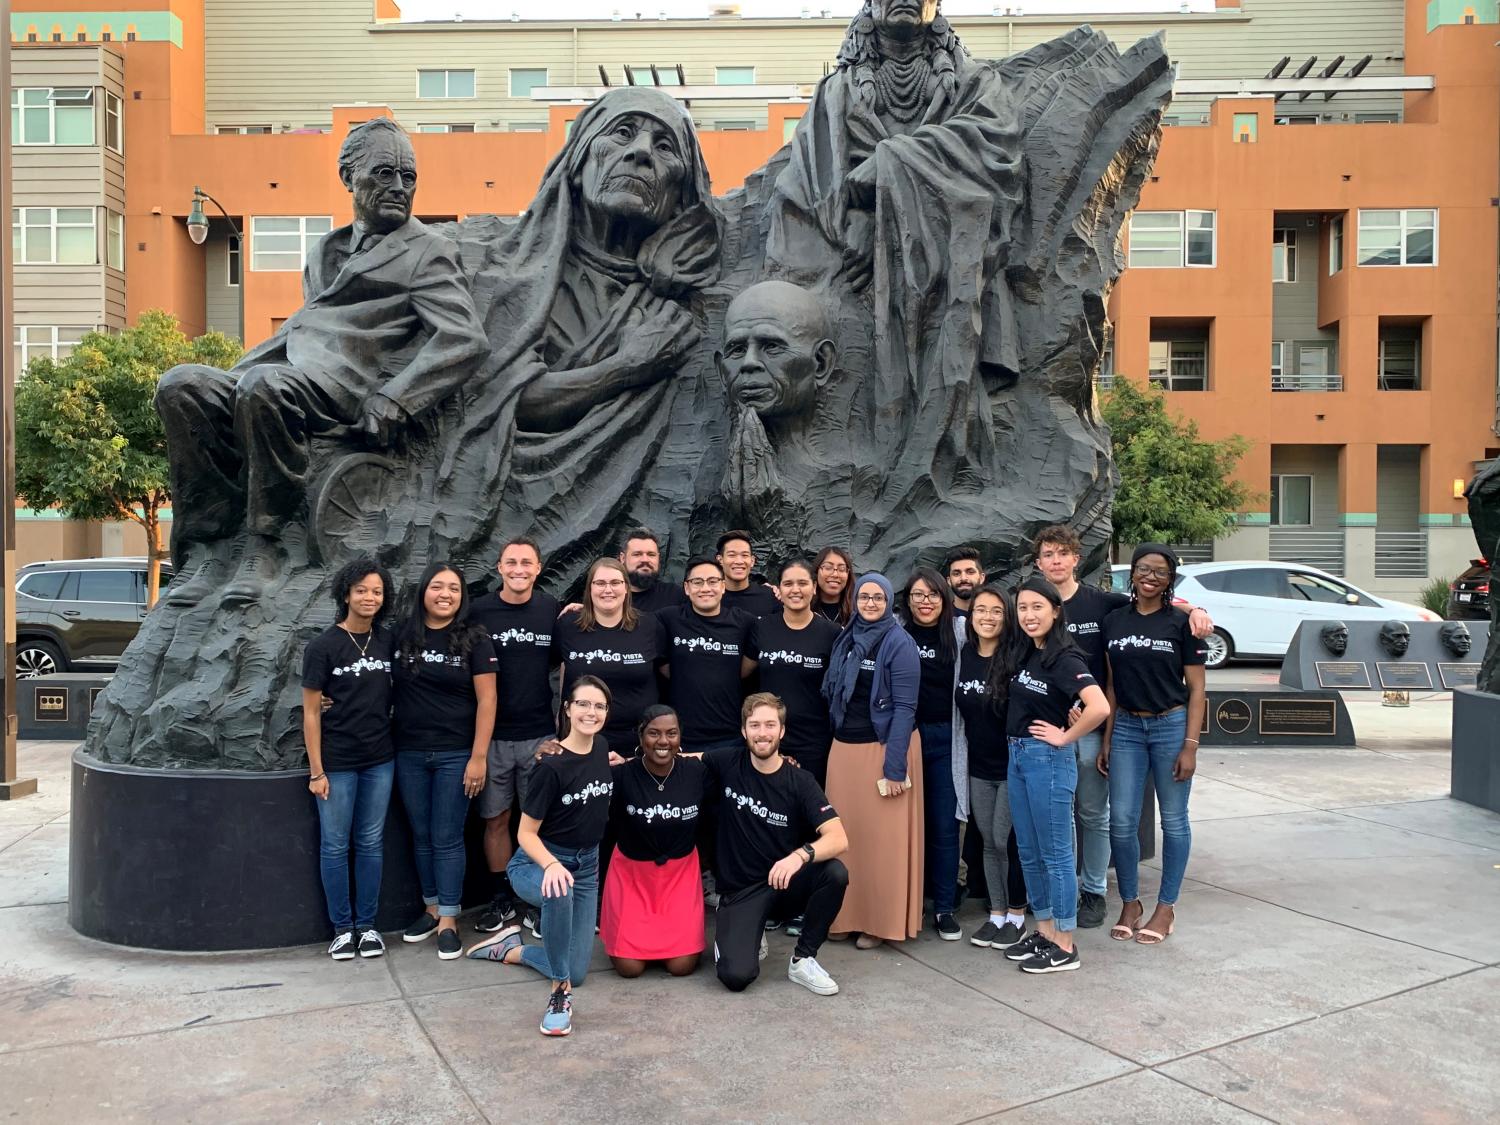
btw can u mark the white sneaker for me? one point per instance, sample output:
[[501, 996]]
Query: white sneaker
[[811, 976], [765, 950]]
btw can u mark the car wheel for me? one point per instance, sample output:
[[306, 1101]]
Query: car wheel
[[38, 658], [1218, 648]]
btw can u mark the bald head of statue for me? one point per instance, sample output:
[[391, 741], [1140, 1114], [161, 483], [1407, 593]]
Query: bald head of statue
[[778, 350]]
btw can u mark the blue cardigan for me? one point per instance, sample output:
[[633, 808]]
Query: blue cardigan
[[893, 698]]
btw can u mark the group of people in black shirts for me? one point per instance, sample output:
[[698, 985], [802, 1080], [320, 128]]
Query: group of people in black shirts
[[952, 703]]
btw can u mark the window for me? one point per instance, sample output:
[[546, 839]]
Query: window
[[734, 75], [1278, 363], [54, 236], [445, 83], [44, 585], [114, 123], [1400, 363], [1254, 582], [1246, 128], [1377, 118], [734, 126], [1311, 587], [244, 130], [1106, 377], [1298, 119], [117, 586], [1170, 239], [1179, 365], [232, 263], [114, 240], [1291, 500], [282, 242], [33, 340], [1335, 246], [523, 81], [52, 115], [1284, 255], [529, 126], [450, 127], [1314, 363], [1398, 238]]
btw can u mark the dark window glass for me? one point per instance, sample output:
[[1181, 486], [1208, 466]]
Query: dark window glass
[[107, 586], [1254, 582], [45, 584]]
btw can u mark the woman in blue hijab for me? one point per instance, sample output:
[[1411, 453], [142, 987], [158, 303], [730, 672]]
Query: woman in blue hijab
[[871, 688]]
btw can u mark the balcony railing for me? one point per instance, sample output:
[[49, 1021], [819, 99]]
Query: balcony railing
[[1307, 382], [1322, 549], [1400, 554]]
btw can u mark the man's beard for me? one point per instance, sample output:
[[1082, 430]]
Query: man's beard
[[642, 581]]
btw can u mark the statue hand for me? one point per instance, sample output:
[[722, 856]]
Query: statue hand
[[383, 418], [859, 249], [657, 343]]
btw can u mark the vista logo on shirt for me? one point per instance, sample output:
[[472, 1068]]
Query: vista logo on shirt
[[604, 656], [663, 812], [751, 805], [971, 687], [364, 664], [1087, 628], [430, 657], [782, 656], [521, 637], [1135, 640], [927, 653], [589, 792], [704, 644], [1026, 680]]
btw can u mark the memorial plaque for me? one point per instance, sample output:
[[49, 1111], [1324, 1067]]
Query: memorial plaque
[[94, 693], [1459, 675], [1404, 675], [51, 705], [1343, 674], [1233, 716], [1315, 718]]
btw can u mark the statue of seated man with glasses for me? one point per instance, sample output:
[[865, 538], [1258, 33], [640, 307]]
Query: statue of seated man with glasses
[[387, 331]]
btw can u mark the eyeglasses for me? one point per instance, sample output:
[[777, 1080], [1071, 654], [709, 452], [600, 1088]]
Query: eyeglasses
[[589, 705], [924, 596], [608, 583], [704, 583], [385, 174], [1152, 572], [833, 568], [871, 599], [987, 612]]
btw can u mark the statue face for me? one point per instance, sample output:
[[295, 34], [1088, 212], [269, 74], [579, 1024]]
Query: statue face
[[903, 19], [1395, 637], [1336, 637], [633, 171], [384, 183], [777, 351], [1455, 637]]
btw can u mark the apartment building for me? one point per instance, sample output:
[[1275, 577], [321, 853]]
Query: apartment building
[[1313, 264]]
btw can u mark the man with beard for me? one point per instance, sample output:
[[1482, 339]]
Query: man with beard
[[965, 574], [777, 841], [642, 558]]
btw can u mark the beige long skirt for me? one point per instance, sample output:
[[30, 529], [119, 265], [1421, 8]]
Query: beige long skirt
[[885, 856]]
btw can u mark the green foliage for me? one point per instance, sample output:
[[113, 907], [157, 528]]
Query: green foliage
[[1434, 596], [1175, 487]]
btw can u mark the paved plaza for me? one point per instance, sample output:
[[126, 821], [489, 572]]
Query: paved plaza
[[1337, 958]]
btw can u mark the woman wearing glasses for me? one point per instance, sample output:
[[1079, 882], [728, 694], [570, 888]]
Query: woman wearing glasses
[[874, 767], [1156, 695], [927, 609], [608, 638], [832, 570]]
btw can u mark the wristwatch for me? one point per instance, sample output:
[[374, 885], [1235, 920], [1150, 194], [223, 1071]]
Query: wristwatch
[[807, 850]]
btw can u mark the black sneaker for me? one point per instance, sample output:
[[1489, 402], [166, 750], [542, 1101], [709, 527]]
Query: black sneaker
[[1021, 950], [947, 928], [342, 948], [1010, 934], [794, 927], [1050, 958], [1090, 910], [532, 920], [450, 948], [371, 944], [985, 936], [773, 924], [422, 929], [500, 911]]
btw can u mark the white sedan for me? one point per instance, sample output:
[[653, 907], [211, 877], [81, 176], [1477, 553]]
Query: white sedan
[[1256, 606]]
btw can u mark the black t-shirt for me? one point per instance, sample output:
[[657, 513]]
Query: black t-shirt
[[1085, 612], [625, 661], [654, 825], [761, 817], [705, 662], [357, 728], [935, 696], [1045, 693], [435, 701], [792, 663], [522, 636], [830, 610], [756, 599], [662, 595], [984, 726], [1147, 655], [570, 794], [858, 726]]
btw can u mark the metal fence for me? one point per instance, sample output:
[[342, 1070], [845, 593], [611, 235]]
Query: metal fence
[[1307, 382], [1322, 549], [1400, 554]]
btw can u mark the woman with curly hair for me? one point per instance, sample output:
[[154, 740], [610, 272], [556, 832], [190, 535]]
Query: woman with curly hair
[[350, 756]]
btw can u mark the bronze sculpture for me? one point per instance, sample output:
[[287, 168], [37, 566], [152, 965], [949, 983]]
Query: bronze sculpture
[[1335, 637], [1456, 638], [1395, 638], [1483, 495]]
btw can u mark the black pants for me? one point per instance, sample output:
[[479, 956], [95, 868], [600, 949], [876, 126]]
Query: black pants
[[816, 892]]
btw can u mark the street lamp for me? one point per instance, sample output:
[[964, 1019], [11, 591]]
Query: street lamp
[[197, 222]]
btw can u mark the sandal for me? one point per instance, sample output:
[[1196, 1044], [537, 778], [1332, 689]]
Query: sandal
[[1121, 932], [867, 941], [1152, 937]]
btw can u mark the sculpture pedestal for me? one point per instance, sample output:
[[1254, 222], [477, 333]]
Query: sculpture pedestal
[[211, 860], [1476, 748]]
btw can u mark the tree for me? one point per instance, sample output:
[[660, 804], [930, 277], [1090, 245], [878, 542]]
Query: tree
[[88, 439], [1175, 487]]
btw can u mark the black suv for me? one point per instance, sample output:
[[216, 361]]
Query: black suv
[[77, 615], [1469, 593]]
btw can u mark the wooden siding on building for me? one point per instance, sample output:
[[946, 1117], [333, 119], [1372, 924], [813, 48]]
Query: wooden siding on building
[[63, 295]]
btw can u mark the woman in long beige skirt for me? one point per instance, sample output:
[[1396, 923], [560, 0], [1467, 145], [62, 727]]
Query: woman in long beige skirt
[[875, 768]]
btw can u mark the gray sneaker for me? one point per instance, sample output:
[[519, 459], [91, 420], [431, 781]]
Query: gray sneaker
[[985, 936], [496, 945], [1009, 935], [1090, 910]]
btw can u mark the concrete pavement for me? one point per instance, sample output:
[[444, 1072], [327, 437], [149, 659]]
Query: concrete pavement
[[1337, 958]]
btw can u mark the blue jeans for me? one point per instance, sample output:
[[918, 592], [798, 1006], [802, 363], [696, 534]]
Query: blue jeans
[[357, 800], [432, 788], [1042, 781], [567, 920], [1136, 745], [940, 808], [1093, 814]]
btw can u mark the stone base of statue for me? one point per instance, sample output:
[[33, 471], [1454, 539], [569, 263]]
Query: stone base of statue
[[1476, 750]]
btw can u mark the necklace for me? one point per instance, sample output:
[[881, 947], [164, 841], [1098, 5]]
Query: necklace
[[370, 636], [903, 86], [661, 783]]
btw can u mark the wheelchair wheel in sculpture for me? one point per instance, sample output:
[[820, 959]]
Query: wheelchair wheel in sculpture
[[349, 504]]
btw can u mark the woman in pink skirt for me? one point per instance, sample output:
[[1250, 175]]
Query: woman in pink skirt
[[653, 897]]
